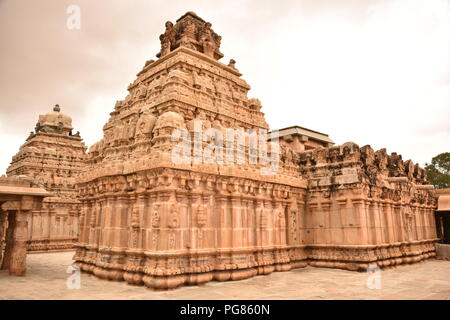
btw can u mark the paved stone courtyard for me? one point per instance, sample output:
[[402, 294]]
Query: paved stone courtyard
[[46, 279]]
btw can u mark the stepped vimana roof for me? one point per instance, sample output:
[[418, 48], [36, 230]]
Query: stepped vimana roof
[[175, 192], [52, 155], [186, 84]]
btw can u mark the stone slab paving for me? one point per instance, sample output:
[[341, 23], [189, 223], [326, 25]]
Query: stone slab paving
[[46, 279]]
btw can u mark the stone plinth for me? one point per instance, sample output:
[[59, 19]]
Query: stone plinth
[[52, 156]]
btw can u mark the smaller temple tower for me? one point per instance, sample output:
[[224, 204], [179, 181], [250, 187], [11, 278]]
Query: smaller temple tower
[[52, 156]]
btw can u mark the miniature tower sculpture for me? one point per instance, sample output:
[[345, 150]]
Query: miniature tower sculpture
[[52, 156]]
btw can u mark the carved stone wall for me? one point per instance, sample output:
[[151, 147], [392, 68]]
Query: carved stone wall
[[52, 156], [366, 207], [146, 219]]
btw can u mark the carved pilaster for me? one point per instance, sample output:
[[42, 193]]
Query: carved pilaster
[[3, 219], [17, 265]]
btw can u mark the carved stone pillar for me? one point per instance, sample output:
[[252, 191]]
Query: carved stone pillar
[[361, 218], [222, 233], [3, 218], [267, 224], [17, 265], [9, 239], [236, 223], [387, 210], [16, 243], [260, 222], [344, 215], [51, 224]]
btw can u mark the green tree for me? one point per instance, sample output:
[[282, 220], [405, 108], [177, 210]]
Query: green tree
[[438, 171]]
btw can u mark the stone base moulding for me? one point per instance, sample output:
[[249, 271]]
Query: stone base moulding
[[205, 267], [361, 257], [192, 269]]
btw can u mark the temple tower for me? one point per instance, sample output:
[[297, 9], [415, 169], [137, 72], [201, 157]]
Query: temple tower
[[52, 156], [151, 219]]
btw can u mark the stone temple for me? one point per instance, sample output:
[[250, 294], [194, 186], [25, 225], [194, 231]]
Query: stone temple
[[52, 157], [147, 219]]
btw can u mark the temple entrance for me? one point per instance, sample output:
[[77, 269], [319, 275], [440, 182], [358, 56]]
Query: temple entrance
[[442, 215], [443, 226]]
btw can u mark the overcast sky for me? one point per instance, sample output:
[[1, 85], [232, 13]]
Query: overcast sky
[[371, 72]]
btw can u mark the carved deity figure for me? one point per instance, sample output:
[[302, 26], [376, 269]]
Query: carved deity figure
[[174, 221], [145, 125], [409, 222], [171, 240], [201, 215], [155, 217], [232, 64], [135, 218], [168, 39], [188, 35], [396, 165], [281, 217], [409, 169], [207, 40]]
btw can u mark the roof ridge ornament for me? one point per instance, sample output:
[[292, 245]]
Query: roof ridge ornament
[[192, 32]]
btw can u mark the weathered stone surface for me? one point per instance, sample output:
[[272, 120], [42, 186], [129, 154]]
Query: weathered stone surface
[[52, 156], [358, 214], [19, 196], [148, 220], [194, 33]]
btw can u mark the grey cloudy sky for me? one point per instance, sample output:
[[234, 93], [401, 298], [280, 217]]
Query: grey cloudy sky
[[371, 72]]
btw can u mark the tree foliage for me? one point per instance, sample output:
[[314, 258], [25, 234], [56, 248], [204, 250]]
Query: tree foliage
[[438, 171]]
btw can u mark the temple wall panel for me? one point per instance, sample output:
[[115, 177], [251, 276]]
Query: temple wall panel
[[53, 228]]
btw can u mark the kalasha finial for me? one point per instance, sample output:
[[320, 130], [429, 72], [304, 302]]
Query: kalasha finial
[[57, 108]]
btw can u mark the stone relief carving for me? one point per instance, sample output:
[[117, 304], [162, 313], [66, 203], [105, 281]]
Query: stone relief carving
[[198, 219]]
